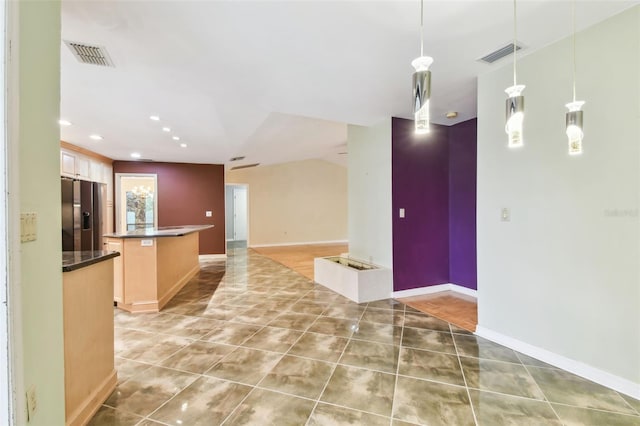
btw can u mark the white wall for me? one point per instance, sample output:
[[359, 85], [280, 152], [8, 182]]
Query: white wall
[[370, 223], [563, 274], [35, 298]]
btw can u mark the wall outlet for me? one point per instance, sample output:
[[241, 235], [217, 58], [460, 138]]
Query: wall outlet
[[32, 402], [208, 213]]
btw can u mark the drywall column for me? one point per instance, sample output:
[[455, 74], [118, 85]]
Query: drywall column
[[370, 225], [562, 275], [35, 298]]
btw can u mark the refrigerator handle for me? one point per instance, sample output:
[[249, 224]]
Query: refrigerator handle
[[86, 220]]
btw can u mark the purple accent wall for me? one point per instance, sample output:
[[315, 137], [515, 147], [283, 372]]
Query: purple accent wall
[[434, 180], [462, 204], [420, 185]]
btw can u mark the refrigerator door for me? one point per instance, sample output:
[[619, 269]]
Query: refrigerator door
[[67, 214], [77, 217], [99, 213], [86, 208]]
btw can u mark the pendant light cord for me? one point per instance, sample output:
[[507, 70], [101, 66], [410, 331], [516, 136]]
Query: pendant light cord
[[421, 28], [515, 41], [573, 18]]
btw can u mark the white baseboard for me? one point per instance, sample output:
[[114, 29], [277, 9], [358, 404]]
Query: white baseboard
[[205, 257], [420, 291], [578, 368], [300, 243]]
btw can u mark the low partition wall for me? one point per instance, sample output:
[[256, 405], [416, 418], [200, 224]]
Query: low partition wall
[[356, 280]]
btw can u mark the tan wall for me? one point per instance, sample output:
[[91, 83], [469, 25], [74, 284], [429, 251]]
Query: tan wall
[[297, 202]]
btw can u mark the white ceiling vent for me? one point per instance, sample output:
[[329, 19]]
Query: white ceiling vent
[[499, 54], [89, 54]]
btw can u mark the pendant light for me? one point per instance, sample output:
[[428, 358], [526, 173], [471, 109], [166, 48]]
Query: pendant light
[[515, 102], [574, 115], [421, 84]]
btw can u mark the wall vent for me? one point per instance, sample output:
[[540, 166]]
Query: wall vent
[[246, 166], [90, 54], [500, 53], [236, 158]]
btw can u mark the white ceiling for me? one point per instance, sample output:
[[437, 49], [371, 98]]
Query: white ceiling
[[278, 81]]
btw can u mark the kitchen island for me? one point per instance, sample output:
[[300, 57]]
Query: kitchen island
[[155, 265], [89, 372]]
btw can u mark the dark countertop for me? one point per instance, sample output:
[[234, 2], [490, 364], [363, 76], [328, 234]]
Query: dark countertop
[[173, 231], [72, 260]]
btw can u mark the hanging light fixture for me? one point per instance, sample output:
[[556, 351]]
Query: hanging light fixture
[[421, 83], [574, 115], [515, 102]]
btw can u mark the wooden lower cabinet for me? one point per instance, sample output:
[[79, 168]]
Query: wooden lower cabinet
[[89, 371]]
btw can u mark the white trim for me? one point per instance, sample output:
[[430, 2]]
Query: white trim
[[307, 243], [420, 291], [576, 367], [205, 257]]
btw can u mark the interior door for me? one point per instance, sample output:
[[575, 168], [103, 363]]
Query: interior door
[[240, 213]]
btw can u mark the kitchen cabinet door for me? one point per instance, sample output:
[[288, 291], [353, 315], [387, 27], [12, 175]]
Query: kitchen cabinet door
[[82, 168], [67, 164]]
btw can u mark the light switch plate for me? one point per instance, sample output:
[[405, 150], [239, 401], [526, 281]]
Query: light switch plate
[[401, 213], [28, 227], [208, 213], [32, 402]]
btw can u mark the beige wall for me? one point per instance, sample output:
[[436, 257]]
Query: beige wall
[[297, 202]]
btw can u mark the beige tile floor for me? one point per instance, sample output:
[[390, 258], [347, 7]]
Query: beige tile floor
[[251, 342]]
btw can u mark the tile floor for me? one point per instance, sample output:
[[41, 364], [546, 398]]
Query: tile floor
[[250, 342]]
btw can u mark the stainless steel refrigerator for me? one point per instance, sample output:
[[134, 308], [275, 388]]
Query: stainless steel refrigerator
[[83, 214]]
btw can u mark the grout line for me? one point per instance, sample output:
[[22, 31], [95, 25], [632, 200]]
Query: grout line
[[539, 388], [464, 378], [395, 385], [324, 388]]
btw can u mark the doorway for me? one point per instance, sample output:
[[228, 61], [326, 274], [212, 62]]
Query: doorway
[[136, 201], [236, 215]]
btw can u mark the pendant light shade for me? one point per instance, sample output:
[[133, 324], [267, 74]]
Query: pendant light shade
[[515, 115], [574, 127], [515, 101], [574, 116], [421, 84], [421, 93]]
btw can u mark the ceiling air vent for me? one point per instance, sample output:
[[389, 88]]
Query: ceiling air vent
[[88, 54], [236, 158], [245, 166], [499, 54]]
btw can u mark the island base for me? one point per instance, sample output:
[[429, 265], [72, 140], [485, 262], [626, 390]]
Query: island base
[[150, 271]]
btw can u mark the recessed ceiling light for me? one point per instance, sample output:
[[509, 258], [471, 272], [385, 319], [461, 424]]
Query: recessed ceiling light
[[135, 155], [96, 137], [176, 138], [154, 117], [64, 123], [183, 145], [166, 129]]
